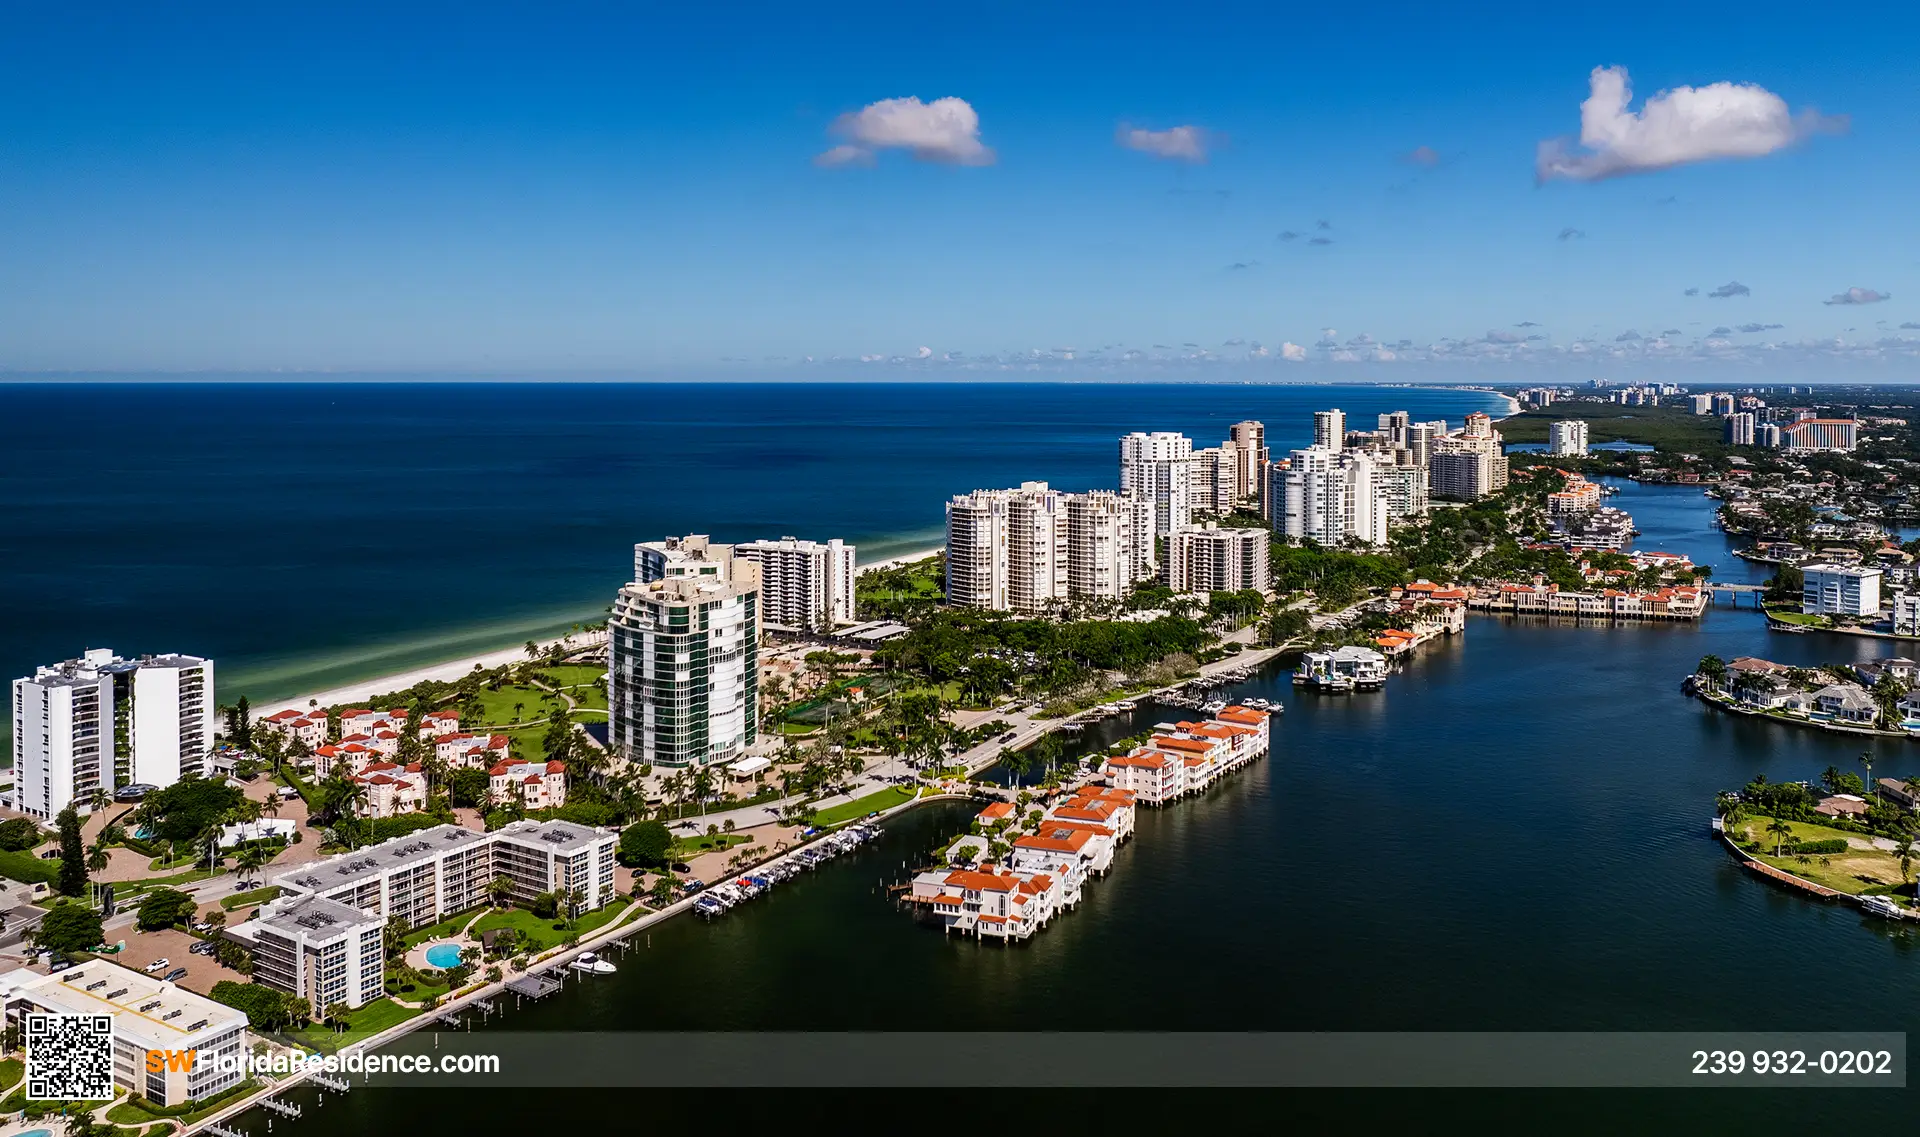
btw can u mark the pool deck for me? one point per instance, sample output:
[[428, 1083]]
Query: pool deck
[[417, 956]]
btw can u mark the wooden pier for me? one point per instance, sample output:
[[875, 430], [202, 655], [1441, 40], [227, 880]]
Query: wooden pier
[[535, 986]]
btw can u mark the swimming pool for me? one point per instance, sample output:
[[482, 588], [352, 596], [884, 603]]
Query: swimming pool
[[36, 1133], [443, 956]]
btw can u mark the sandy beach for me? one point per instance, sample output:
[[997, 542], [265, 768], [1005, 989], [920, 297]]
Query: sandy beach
[[896, 562], [444, 672], [453, 669]]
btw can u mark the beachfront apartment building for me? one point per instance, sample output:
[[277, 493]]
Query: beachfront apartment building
[[307, 727], [1158, 469], [1567, 438], [1576, 497], [804, 585], [434, 873], [1328, 496], [1840, 590], [324, 951], [99, 722], [683, 672], [388, 789], [1329, 429], [1027, 550], [148, 1014], [1110, 544], [1211, 559]]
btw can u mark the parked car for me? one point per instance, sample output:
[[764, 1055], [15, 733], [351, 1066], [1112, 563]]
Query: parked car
[[160, 964], [204, 947], [174, 976]]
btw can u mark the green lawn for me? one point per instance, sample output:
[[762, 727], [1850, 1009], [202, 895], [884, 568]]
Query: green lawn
[[361, 1024], [1792, 617], [860, 807], [541, 933], [1858, 872], [441, 930], [497, 707], [1670, 429], [694, 846], [138, 1110], [11, 1071], [255, 896]]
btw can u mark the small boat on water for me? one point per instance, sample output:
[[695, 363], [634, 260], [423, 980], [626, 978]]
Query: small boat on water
[[1883, 907], [593, 965]]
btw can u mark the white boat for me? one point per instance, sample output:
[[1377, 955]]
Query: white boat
[[593, 964], [1881, 906]]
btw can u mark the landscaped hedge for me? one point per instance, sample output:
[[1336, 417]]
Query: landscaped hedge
[[1817, 848], [27, 868]]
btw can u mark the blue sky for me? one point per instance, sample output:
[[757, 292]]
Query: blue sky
[[635, 190]]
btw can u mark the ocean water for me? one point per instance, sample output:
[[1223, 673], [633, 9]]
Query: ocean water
[[307, 535]]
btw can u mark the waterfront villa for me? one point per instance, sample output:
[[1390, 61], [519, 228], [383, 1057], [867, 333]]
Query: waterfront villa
[[1187, 759], [1851, 806], [1544, 599], [309, 727], [1342, 669], [472, 751], [1845, 703]]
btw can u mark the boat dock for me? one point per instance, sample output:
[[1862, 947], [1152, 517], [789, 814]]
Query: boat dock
[[534, 986]]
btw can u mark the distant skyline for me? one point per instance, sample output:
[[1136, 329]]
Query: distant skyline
[[1390, 194]]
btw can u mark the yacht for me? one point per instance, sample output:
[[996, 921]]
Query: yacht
[[1881, 906], [593, 964]]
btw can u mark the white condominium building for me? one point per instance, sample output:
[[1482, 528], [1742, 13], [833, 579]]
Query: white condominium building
[[1213, 559], [1329, 496], [1840, 590], [695, 556], [804, 585], [149, 1014], [1567, 438], [1460, 475], [100, 722], [1158, 468], [1701, 404], [1216, 478], [430, 874], [683, 672], [320, 949], [1249, 439], [1403, 489], [1820, 434], [1329, 429], [1739, 428], [1024, 550], [1110, 544]]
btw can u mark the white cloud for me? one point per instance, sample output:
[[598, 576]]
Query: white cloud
[[1185, 143], [1673, 128], [944, 130], [924, 353], [1292, 352], [1858, 296]]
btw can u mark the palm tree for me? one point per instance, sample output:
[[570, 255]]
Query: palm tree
[[1713, 669], [250, 860], [1780, 830], [97, 858], [500, 891], [1905, 854], [336, 1015], [1866, 759]]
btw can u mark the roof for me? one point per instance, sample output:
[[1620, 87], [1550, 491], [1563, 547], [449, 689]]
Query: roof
[[147, 1011]]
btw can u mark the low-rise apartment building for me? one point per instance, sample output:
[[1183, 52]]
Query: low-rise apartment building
[[324, 951]]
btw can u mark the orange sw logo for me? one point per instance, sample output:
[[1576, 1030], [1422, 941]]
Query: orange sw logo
[[180, 1061]]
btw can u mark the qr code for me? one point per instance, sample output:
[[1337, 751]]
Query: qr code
[[69, 1057]]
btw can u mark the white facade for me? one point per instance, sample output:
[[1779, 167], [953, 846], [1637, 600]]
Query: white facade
[[1158, 468], [1403, 490], [1329, 429], [429, 874], [1330, 497], [1110, 544], [319, 949], [148, 1014], [1840, 590], [1027, 550], [1216, 474], [1906, 613], [1567, 438], [804, 585], [1213, 559], [695, 555], [100, 722], [1740, 428], [683, 672]]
